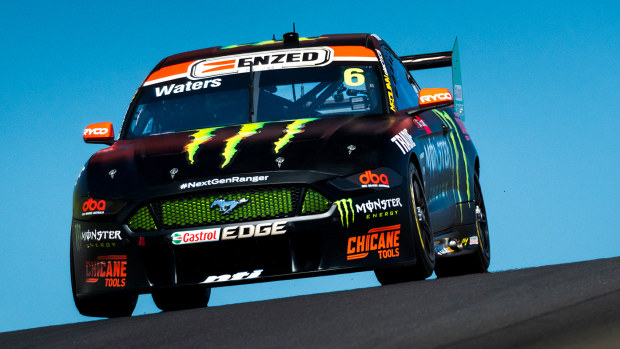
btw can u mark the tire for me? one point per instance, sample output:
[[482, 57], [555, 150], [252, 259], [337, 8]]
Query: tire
[[477, 262], [422, 236], [110, 306], [181, 298]]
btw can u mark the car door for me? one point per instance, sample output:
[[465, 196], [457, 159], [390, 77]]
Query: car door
[[437, 160]]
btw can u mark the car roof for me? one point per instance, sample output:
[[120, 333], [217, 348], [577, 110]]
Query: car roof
[[323, 40]]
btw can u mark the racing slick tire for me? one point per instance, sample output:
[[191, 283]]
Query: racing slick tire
[[172, 299], [477, 262], [422, 237], [110, 306]]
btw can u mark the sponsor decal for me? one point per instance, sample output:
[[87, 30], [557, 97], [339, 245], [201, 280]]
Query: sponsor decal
[[77, 242], [96, 131], [421, 124], [100, 244], [99, 238], [99, 235], [369, 179], [388, 86], [454, 155], [382, 214], [404, 141], [378, 205], [345, 208], [473, 240], [380, 56], [92, 206], [385, 241], [437, 97], [99, 132], [227, 206], [196, 236], [229, 180], [205, 135], [460, 123], [244, 275], [458, 92], [441, 250], [267, 60], [246, 131], [187, 87], [464, 242], [439, 156], [200, 137], [292, 129], [112, 269], [253, 230], [260, 61], [378, 179]]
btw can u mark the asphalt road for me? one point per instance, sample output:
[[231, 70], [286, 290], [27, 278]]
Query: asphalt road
[[573, 305]]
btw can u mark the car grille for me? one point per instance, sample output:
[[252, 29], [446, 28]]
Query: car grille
[[194, 209]]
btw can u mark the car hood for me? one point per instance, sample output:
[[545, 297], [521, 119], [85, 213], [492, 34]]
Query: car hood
[[335, 145]]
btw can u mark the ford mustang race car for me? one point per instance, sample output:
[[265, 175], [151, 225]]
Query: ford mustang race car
[[276, 160]]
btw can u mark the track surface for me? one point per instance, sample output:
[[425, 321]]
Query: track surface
[[561, 306]]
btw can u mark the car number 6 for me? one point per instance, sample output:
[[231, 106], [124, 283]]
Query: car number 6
[[356, 73]]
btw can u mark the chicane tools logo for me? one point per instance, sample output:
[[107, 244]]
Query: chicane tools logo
[[384, 240], [111, 268]]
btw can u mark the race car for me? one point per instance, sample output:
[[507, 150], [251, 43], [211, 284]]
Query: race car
[[281, 159]]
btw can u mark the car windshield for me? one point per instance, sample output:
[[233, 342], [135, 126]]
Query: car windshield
[[282, 94]]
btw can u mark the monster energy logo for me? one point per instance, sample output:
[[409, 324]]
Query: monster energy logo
[[344, 207]]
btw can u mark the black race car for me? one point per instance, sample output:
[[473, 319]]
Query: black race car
[[279, 159]]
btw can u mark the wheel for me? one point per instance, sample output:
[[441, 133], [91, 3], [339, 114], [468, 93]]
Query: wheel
[[181, 298], [110, 306], [477, 262], [422, 237]]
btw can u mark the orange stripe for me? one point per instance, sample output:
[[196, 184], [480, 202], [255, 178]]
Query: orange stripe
[[170, 70], [352, 51], [230, 61], [112, 258], [223, 67], [357, 256], [92, 280], [391, 227]]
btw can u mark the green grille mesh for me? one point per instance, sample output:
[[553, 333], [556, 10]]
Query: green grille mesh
[[261, 204], [314, 203], [142, 221], [195, 209]]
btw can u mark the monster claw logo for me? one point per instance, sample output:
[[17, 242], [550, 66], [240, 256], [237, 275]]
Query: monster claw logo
[[292, 129], [344, 206], [452, 141], [246, 131], [200, 137]]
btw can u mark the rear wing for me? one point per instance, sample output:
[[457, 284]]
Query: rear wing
[[439, 60]]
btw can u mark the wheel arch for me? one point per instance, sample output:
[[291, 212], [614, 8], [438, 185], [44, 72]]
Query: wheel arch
[[413, 158]]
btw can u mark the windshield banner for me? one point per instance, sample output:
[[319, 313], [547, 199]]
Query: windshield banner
[[260, 61]]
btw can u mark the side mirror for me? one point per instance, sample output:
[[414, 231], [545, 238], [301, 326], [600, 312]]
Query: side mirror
[[100, 133], [431, 97]]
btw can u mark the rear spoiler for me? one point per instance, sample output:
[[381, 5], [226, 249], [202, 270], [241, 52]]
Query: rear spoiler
[[439, 60]]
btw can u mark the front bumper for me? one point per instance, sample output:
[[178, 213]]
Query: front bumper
[[364, 232]]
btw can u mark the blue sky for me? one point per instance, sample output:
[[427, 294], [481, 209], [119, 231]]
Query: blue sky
[[540, 86]]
